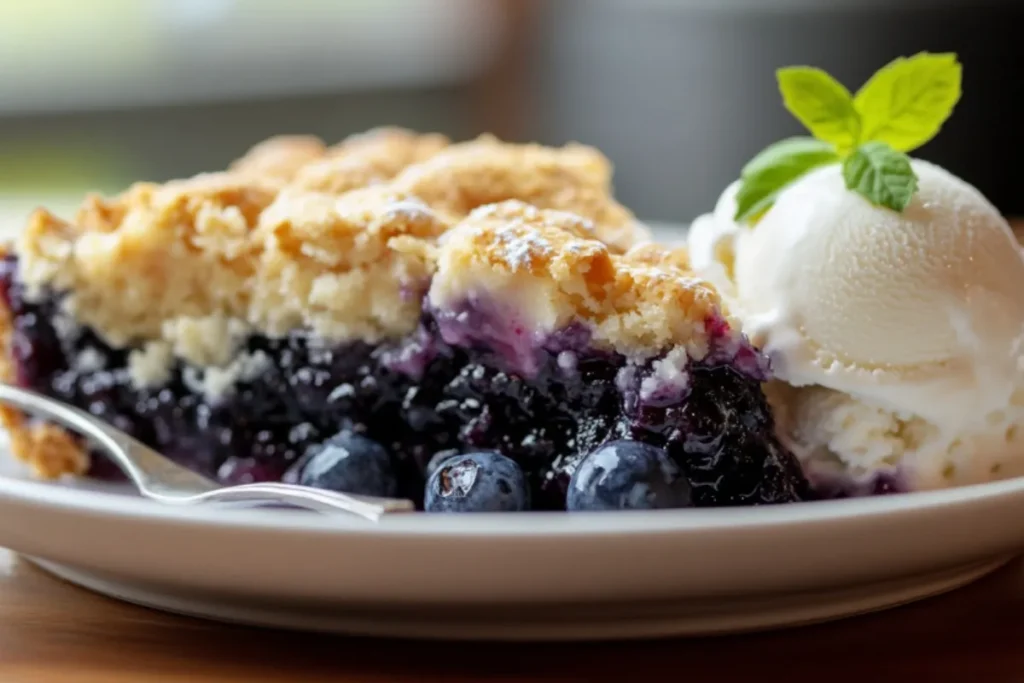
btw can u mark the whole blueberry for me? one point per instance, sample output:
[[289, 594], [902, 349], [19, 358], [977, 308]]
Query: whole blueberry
[[350, 463], [627, 475], [477, 482]]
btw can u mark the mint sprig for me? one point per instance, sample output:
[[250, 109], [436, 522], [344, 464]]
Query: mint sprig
[[900, 108]]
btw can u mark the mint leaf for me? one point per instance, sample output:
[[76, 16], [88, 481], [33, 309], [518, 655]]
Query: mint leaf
[[775, 167], [881, 174], [791, 151], [822, 104], [906, 102]]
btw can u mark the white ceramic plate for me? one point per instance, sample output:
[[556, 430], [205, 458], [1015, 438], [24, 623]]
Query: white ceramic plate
[[519, 576]]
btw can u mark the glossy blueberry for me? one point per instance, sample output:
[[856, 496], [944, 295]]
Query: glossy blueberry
[[350, 463], [477, 482], [627, 475]]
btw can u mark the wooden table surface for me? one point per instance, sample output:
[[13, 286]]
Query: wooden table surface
[[52, 631]]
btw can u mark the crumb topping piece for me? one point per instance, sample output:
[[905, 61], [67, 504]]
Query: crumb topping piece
[[153, 255], [367, 159], [349, 266], [485, 171], [548, 271], [280, 157], [660, 255], [454, 178]]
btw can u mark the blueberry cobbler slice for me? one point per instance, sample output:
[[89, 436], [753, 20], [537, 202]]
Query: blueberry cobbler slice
[[475, 327]]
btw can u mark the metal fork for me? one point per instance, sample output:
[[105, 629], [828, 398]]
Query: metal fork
[[162, 480]]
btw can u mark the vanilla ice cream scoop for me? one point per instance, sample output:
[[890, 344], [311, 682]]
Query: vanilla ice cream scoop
[[918, 314]]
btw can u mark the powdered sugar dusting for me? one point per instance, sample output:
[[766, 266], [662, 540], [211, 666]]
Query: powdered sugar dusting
[[410, 209], [519, 246]]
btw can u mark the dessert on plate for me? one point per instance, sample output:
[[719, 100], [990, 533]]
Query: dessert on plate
[[475, 326], [887, 293], [481, 326]]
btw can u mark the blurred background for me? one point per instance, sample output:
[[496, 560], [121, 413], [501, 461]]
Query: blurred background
[[679, 93]]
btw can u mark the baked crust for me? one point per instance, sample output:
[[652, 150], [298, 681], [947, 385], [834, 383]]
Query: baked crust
[[574, 178], [546, 268], [280, 157], [367, 159], [269, 246]]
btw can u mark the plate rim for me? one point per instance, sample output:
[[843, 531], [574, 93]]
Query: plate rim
[[60, 498]]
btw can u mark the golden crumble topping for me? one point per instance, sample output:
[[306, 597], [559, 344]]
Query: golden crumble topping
[[336, 263], [546, 268], [156, 254], [194, 260], [50, 451], [484, 171], [457, 178], [399, 143], [359, 160], [656, 254], [280, 157], [367, 159], [189, 268]]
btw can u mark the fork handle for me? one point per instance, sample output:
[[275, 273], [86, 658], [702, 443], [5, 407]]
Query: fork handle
[[321, 500]]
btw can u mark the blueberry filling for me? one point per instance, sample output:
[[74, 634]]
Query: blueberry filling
[[544, 404]]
